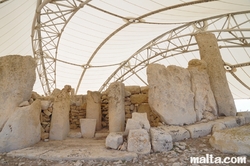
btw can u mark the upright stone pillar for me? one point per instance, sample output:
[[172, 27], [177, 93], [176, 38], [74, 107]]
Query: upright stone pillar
[[93, 110], [209, 52], [116, 94], [60, 118]]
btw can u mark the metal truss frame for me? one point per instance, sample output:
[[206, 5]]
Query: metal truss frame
[[52, 16], [50, 19], [172, 44]]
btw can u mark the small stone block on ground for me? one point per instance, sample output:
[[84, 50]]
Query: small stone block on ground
[[139, 141], [160, 139], [178, 133], [114, 140], [88, 127]]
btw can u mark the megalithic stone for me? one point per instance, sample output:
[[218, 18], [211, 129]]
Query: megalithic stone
[[209, 52], [93, 110], [116, 94]]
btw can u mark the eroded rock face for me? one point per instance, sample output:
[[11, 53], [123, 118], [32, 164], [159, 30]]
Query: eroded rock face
[[200, 85], [237, 140], [17, 77], [22, 129], [170, 94]]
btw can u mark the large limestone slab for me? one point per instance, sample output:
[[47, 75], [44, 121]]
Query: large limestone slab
[[93, 110], [170, 94], [237, 140], [17, 77], [116, 95], [60, 118], [209, 52], [200, 84], [22, 129]]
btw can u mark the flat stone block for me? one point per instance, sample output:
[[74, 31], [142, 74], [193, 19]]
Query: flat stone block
[[178, 133], [200, 129], [88, 127], [113, 140], [230, 122], [160, 139]]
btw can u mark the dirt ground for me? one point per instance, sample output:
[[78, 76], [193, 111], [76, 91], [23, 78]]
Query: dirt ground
[[178, 156]]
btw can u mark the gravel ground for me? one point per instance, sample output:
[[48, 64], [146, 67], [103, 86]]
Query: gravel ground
[[178, 156]]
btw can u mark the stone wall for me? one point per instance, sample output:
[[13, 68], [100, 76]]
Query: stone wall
[[136, 100]]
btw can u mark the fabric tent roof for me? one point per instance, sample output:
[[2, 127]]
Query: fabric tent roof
[[89, 44]]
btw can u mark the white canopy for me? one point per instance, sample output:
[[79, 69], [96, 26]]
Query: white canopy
[[89, 44]]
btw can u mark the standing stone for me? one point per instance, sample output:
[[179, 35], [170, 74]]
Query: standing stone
[[60, 118], [209, 52], [116, 97], [142, 119], [170, 94], [203, 95], [93, 110], [17, 77], [22, 129]]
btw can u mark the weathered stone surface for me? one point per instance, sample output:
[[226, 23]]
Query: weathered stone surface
[[230, 122], [246, 114], [45, 104], [209, 52], [170, 94], [160, 139], [139, 98], [133, 89], [139, 141], [17, 77], [142, 119], [60, 118], [240, 120], [218, 126], [200, 84], [24, 103], [114, 140], [93, 110], [22, 129], [178, 133], [235, 140], [200, 129], [131, 125], [88, 127], [116, 95]]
